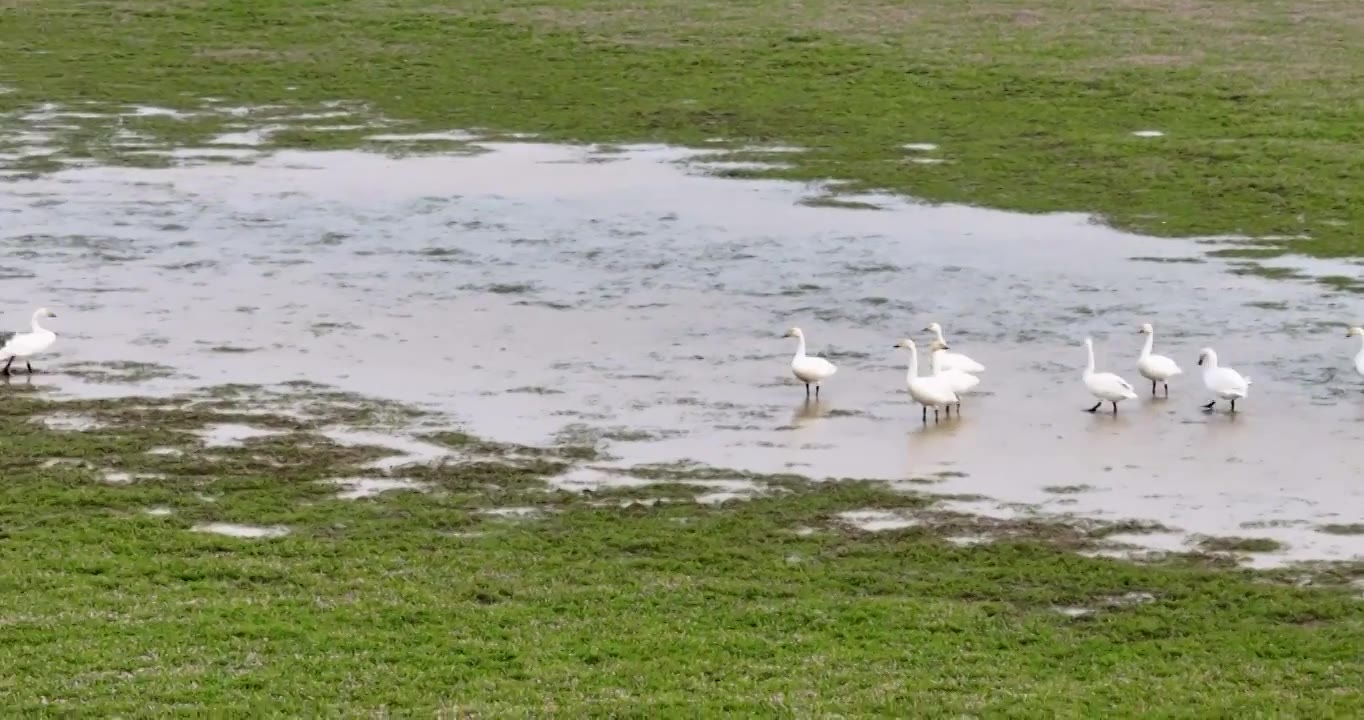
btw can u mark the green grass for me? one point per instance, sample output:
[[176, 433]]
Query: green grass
[[423, 603], [1032, 103]]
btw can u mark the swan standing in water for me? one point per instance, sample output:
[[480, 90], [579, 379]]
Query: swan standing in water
[[931, 391], [1359, 357], [1225, 383], [27, 344], [1156, 368], [960, 382], [951, 360], [807, 369], [1107, 387]]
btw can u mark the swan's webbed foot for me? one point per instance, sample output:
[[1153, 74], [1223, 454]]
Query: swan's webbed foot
[[1096, 407]]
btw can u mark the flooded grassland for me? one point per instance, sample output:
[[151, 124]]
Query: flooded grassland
[[525, 407]]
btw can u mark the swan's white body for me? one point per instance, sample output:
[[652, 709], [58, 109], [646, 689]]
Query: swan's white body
[[809, 369], [1107, 387], [931, 391], [1156, 368], [27, 344], [960, 382], [952, 360], [1223, 382], [1359, 356]]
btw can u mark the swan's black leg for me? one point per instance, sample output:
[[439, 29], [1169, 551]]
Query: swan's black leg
[[949, 411], [1209, 405], [925, 416], [11, 362], [30, 367], [1233, 404], [1167, 389], [816, 392], [935, 413], [1096, 406], [958, 409], [807, 390], [1153, 388], [1115, 408]]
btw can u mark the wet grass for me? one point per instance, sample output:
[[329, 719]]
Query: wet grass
[[1240, 544], [1032, 105], [117, 602], [1343, 529]]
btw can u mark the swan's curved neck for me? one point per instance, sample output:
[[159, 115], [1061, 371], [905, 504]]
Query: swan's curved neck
[[800, 346], [940, 338], [1089, 365], [1210, 361], [913, 362], [1361, 344], [36, 327], [935, 361], [1146, 348]]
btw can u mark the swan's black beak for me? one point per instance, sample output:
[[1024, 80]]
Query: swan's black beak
[[1200, 359]]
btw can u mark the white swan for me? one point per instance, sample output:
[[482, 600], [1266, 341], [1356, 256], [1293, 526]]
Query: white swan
[[1107, 387], [931, 391], [960, 382], [807, 369], [952, 360], [1225, 383], [1156, 368], [27, 344], [1359, 357]]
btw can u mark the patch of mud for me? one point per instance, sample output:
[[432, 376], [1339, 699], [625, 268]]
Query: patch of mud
[[357, 488], [70, 422], [877, 520], [114, 477], [242, 531], [591, 479], [514, 513], [406, 450], [233, 434]]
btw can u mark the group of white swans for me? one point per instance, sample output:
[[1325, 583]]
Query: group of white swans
[[953, 374]]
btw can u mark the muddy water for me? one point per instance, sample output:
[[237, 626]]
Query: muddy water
[[532, 289]]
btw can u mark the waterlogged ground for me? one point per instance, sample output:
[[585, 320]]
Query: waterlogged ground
[[625, 298]]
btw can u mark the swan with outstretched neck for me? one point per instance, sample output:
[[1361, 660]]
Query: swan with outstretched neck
[[15, 345], [1107, 387], [960, 382], [953, 360], [1156, 368], [1225, 383], [807, 368], [931, 391]]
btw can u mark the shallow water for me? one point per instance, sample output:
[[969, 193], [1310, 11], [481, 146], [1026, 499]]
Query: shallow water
[[533, 287]]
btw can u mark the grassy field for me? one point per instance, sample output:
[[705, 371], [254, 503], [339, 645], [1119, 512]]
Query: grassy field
[[415, 603], [489, 593], [1033, 104]]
